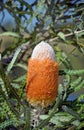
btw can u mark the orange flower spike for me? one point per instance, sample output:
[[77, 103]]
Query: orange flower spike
[[42, 78]]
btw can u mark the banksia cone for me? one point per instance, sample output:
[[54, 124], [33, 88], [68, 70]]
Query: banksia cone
[[42, 77]]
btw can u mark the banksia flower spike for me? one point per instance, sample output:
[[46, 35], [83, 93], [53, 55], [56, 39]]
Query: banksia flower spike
[[42, 77]]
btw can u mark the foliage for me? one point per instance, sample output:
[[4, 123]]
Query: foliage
[[60, 23]]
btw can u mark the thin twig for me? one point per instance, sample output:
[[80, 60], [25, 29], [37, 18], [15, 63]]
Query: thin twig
[[66, 35]]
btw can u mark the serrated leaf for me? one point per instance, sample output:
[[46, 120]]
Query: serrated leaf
[[81, 85], [74, 72], [61, 35], [13, 60], [6, 123], [75, 82], [60, 118], [76, 122], [27, 118], [81, 98], [56, 122]]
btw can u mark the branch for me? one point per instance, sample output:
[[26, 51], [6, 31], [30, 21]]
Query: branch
[[66, 35]]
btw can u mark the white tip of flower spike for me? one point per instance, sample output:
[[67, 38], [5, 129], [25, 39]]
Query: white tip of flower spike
[[43, 51]]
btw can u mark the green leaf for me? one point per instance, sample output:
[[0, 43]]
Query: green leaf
[[0, 57], [45, 128], [74, 72], [76, 82], [61, 35], [58, 119], [10, 34], [27, 118], [22, 66], [15, 85], [60, 89], [76, 122], [70, 111], [81, 85], [6, 123], [43, 117], [81, 97], [13, 60], [20, 79], [2, 86], [80, 34], [61, 118], [55, 120]]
